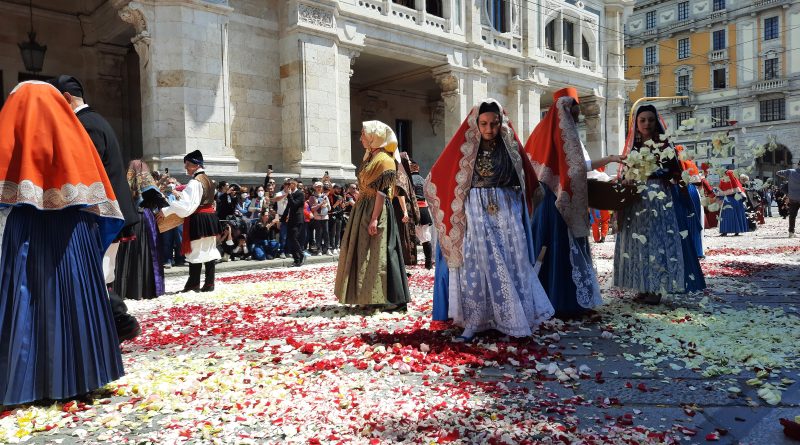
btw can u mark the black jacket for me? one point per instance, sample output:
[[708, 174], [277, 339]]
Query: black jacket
[[107, 146], [294, 208]]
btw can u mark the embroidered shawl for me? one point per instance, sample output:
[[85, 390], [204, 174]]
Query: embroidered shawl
[[556, 154], [48, 161], [449, 181]]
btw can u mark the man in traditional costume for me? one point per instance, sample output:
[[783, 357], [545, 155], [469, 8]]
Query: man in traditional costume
[[107, 146], [57, 333], [201, 224], [481, 195], [423, 227]]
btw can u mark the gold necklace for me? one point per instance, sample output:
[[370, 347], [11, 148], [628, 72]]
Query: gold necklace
[[485, 161]]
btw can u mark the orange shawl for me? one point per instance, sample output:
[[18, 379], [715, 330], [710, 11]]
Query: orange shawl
[[450, 179], [48, 161], [556, 154]]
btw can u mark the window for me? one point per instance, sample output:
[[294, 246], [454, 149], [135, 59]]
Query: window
[[720, 81], [683, 84], [771, 28], [773, 110], [650, 55], [683, 11], [682, 116], [683, 48], [406, 3], [497, 13], [719, 40], [719, 5], [402, 129], [585, 49], [650, 19], [550, 35], [771, 69], [719, 117], [569, 38], [651, 89]]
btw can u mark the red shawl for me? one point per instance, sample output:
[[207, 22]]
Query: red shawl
[[47, 159], [731, 184], [556, 154], [450, 179]]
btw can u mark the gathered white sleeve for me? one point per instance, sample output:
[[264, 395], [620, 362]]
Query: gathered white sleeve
[[586, 157], [189, 200]]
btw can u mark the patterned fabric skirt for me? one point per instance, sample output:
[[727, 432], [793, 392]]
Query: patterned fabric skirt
[[496, 287], [441, 281], [567, 265], [732, 217], [697, 216], [647, 255], [57, 334]]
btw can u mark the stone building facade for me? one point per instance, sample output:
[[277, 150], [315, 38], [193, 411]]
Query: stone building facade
[[736, 60], [254, 83]]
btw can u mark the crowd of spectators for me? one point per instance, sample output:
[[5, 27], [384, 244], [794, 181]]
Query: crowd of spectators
[[253, 219]]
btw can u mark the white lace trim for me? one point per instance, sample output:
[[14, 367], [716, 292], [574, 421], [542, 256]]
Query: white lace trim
[[452, 243], [93, 197], [573, 209]]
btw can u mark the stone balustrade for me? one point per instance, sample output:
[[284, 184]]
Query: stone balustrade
[[766, 85], [718, 55], [649, 70]]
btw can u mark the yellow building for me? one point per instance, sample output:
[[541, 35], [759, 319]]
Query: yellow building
[[737, 61]]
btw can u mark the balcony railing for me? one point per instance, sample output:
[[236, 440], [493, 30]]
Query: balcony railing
[[766, 85], [721, 14], [406, 16], [649, 70], [760, 3], [718, 55]]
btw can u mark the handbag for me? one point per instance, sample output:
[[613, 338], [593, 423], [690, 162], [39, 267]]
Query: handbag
[[167, 223], [606, 195]]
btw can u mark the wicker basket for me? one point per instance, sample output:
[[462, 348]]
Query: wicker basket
[[611, 195], [168, 223]]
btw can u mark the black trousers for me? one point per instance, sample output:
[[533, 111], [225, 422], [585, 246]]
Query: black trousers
[[293, 242], [794, 206]]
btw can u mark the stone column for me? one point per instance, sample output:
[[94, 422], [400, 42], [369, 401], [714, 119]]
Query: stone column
[[525, 107], [182, 52], [616, 120], [452, 84], [315, 84], [592, 108]]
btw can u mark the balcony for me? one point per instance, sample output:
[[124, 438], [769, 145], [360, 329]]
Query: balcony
[[650, 70], [768, 85], [678, 103], [722, 14], [762, 3], [406, 16], [718, 55]]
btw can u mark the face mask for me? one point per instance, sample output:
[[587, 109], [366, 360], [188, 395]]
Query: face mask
[[260, 193]]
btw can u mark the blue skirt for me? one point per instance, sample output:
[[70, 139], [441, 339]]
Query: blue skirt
[[441, 280], [57, 334], [696, 220], [732, 217], [549, 229], [648, 254], [687, 221]]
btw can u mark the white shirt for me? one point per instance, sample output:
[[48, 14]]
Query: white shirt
[[189, 200], [282, 203]]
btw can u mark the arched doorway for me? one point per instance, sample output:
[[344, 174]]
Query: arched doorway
[[773, 161]]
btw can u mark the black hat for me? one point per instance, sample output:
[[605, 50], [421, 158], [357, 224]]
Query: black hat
[[67, 84], [489, 107], [194, 157]]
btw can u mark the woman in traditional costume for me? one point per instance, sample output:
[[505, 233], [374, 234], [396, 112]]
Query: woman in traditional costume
[[561, 223], [650, 256], [481, 195], [141, 274], [732, 217], [371, 269], [57, 334]]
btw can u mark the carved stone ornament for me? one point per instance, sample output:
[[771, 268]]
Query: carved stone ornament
[[447, 82], [315, 16], [141, 41], [437, 115]]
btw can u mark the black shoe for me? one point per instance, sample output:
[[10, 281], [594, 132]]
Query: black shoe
[[127, 327], [191, 289], [207, 288]]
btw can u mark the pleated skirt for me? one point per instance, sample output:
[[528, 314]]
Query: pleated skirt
[[57, 335], [441, 281], [732, 217], [139, 273], [689, 224]]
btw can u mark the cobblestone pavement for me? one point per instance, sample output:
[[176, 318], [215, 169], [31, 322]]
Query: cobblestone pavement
[[270, 357]]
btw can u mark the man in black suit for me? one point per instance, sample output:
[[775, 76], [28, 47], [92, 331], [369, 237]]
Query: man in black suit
[[294, 219], [105, 141]]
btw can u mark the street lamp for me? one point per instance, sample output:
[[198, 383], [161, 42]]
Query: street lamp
[[32, 52]]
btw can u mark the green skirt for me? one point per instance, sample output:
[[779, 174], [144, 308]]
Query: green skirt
[[371, 269]]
